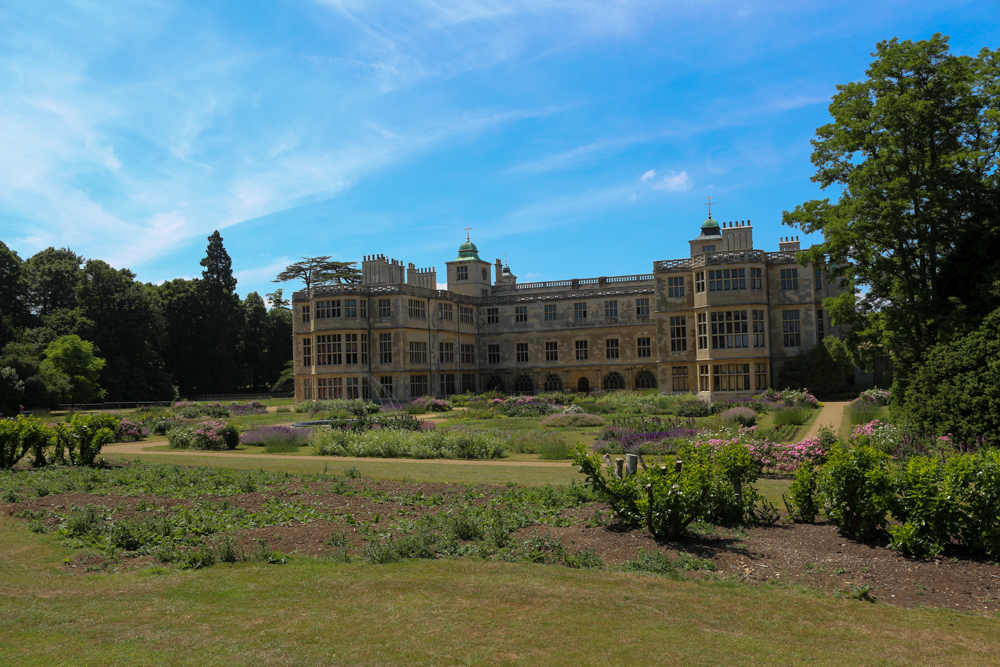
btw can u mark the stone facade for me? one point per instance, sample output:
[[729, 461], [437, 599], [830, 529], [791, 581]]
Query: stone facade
[[719, 323]]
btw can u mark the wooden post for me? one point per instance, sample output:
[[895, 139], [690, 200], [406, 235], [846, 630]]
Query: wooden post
[[631, 464], [678, 464], [619, 463]]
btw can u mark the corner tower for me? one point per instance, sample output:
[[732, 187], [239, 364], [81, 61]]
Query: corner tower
[[467, 274]]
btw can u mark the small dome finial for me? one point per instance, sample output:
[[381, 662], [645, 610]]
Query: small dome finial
[[709, 205], [467, 230]]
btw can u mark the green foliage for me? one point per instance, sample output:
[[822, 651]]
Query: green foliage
[[317, 271], [804, 506], [655, 562], [791, 416], [956, 389], [11, 391], [12, 444], [913, 152], [824, 368], [862, 412], [391, 443], [856, 484], [572, 420], [554, 451], [72, 358]]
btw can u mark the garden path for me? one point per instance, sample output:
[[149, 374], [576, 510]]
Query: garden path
[[832, 414]]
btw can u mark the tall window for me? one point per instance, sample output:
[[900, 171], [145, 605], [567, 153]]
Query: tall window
[[760, 376], [323, 388], [611, 308], [819, 283], [699, 281], [702, 332], [493, 353], [447, 353], [642, 307], [418, 385], [353, 388], [364, 307], [679, 378], [335, 308], [385, 386], [350, 348], [729, 329], [307, 389], [328, 350], [820, 332], [468, 354], [643, 347], [384, 307], [790, 328], [756, 281], [461, 273], [675, 286], [522, 353], [492, 315], [364, 349], [758, 328], [552, 351], [418, 352], [465, 315], [727, 279], [580, 311], [446, 311], [385, 348], [678, 334], [350, 307], [305, 313], [416, 308], [550, 311], [731, 377], [448, 384], [323, 309], [703, 381], [789, 279], [581, 349], [468, 383], [611, 350], [520, 313], [307, 352]]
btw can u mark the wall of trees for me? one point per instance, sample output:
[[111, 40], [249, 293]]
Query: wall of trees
[[78, 329]]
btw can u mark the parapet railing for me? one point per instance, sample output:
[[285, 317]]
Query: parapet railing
[[574, 284], [377, 290], [725, 257]]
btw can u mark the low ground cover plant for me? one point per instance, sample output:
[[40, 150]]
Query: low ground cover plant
[[644, 435], [276, 438], [190, 410], [793, 416], [389, 443], [572, 420]]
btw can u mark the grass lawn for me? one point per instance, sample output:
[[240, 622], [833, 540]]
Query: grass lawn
[[447, 612]]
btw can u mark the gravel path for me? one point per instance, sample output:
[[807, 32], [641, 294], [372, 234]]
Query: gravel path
[[831, 415]]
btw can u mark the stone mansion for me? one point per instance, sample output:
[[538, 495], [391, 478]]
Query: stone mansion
[[719, 323]]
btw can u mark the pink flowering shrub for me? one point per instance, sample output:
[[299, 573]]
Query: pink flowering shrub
[[129, 430], [775, 456], [881, 435], [215, 435], [790, 398], [426, 404], [874, 396]]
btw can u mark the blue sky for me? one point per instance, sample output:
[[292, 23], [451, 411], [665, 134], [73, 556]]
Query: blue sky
[[578, 138]]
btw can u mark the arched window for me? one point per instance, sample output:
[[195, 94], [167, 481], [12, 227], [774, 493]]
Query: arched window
[[524, 385], [613, 381], [583, 385], [645, 380], [495, 384], [553, 383]]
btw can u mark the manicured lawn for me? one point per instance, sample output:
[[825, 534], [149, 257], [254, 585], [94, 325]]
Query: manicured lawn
[[444, 612]]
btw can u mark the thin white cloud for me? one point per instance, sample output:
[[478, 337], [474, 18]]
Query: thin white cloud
[[674, 182], [648, 175]]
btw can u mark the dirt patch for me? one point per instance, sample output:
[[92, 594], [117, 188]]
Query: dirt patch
[[815, 556]]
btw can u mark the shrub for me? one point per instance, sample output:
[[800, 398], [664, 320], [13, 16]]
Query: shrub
[[790, 416], [276, 439], [426, 404], [881, 435], [862, 412], [129, 431], [579, 420], [696, 408], [857, 489], [803, 506], [215, 435], [739, 416], [451, 443]]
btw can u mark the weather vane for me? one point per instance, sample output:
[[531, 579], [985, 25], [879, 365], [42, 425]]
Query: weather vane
[[467, 230], [709, 205]]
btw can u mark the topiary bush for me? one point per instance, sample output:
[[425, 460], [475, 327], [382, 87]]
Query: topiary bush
[[739, 416]]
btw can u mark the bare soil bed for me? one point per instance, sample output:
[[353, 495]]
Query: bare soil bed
[[813, 556]]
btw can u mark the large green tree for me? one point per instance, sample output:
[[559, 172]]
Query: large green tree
[[71, 360], [184, 314], [317, 271], [12, 302], [913, 151], [51, 277], [128, 329], [222, 325], [255, 339]]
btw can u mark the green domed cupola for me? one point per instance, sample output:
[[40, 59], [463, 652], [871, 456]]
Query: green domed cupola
[[468, 250], [709, 223]]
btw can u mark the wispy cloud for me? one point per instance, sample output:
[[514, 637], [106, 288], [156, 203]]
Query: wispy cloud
[[674, 182], [647, 175]]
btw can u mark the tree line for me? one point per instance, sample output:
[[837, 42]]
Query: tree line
[[76, 329]]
